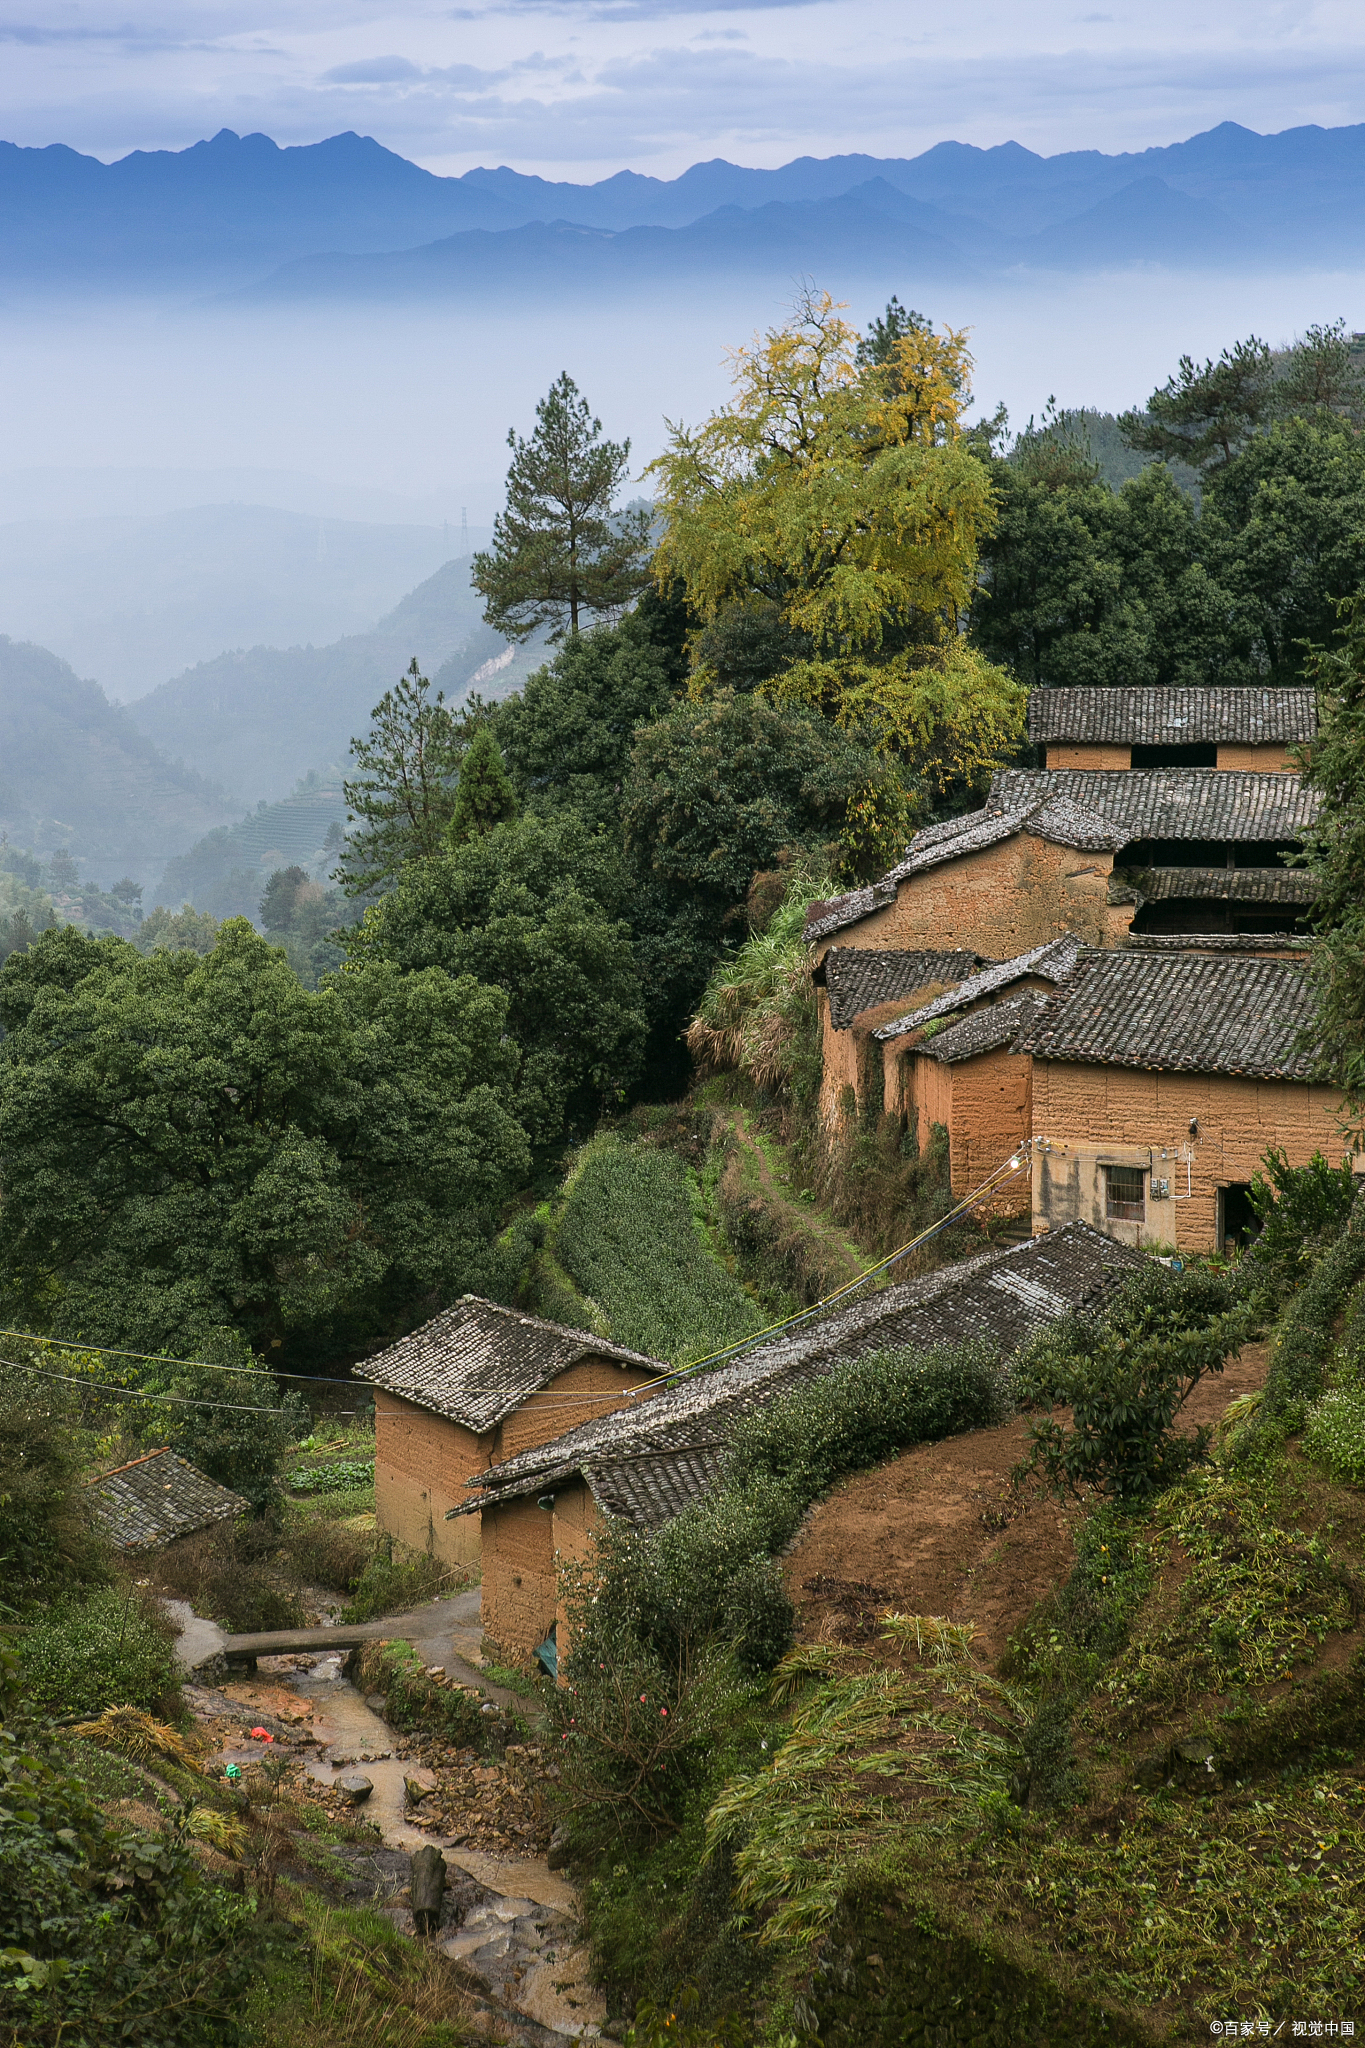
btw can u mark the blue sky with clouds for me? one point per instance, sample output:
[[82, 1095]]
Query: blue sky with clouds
[[579, 88]]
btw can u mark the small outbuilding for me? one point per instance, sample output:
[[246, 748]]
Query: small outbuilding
[[477, 1384], [157, 1498]]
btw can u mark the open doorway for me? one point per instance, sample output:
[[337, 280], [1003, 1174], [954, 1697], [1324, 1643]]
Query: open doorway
[[1238, 1223]]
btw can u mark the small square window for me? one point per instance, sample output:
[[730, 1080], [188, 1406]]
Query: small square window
[[1123, 1193]]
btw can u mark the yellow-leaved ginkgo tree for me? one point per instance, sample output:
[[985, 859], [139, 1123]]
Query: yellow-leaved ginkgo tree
[[838, 497]]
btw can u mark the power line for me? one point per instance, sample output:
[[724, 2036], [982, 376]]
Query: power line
[[160, 1358], [135, 1393]]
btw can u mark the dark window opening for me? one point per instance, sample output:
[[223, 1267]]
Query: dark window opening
[[1205, 853], [1197, 754], [1124, 1190], [1238, 1223], [1171, 915]]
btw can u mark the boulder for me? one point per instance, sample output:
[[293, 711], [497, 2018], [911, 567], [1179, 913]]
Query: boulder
[[356, 1786]]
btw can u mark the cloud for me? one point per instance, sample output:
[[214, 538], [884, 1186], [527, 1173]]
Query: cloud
[[372, 71]]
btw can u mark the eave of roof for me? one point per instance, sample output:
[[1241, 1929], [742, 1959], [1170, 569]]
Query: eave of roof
[[1050, 962]]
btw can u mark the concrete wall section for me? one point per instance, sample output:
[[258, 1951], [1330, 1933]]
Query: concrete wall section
[[421, 1462], [1086, 1117]]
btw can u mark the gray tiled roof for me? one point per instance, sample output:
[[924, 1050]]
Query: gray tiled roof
[[157, 1498], [1229, 885], [1178, 1012], [985, 1030], [477, 1362], [1171, 803], [648, 1462], [857, 977], [1138, 718], [1050, 962]]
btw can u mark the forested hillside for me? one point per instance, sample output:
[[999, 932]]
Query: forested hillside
[[259, 719], [76, 772]]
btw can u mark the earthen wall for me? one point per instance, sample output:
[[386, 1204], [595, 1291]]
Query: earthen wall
[[520, 1593], [1270, 757], [588, 1388], [1000, 902], [1087, 754], [1085, 1117], [421, 1463]]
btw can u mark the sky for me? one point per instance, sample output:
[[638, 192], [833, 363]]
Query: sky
[[581, 88]]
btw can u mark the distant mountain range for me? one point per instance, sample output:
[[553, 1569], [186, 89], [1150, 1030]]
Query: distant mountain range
[[347, 218]]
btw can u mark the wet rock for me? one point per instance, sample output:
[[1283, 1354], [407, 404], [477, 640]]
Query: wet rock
[[558, 1856], [428, 1884], [416, 1791], [376, 1702], [356, 1786]]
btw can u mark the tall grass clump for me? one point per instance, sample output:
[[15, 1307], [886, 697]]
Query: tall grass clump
[[630, 1239]]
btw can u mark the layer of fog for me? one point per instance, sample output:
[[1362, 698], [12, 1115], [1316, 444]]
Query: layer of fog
[[349, 422]]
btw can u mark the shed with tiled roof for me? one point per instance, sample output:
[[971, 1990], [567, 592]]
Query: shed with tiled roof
[[157, 1498], [478, 1383], [1162, 1075], [645, 1467]]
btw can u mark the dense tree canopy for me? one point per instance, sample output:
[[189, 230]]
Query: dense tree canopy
[[189, 1144], [1336, 853], [533, 910]]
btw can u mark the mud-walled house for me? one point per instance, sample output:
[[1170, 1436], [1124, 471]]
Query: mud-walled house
[[1162, 1074], [1161, 811], [478, 1384], [953, 1064], [539, 1510]]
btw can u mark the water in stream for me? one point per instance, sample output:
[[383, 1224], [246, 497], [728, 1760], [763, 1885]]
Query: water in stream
[[511, 1922]]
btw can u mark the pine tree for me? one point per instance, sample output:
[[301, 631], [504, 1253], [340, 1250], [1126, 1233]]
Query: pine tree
[[484, 796], [403, 796], [558, 550]]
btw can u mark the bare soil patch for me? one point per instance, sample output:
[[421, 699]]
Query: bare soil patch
[[940, 1530]]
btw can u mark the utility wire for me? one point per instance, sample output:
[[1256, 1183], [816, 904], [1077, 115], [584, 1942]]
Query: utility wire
[[135, 1393]]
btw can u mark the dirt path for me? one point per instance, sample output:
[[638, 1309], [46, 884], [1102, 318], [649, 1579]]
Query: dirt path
[[939, 1531]]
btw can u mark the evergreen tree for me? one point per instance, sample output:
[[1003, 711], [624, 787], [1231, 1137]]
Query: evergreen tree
[[1336, 854], [558, 551], [1204, 414], [403, 797], [484, 795]]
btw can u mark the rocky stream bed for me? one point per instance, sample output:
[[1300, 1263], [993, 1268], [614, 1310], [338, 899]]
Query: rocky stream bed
[[507, 1919]]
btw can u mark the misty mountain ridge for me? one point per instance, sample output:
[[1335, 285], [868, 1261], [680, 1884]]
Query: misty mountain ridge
[[75, 772], [259, 719], [345, 215]]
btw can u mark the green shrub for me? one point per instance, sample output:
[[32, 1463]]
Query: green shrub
[[113, 1648], [242, 1450], [320, 1552], [108, 1934], [413, 1700], [1302, 1210], [1302, 1346], [233, 1574], [46, 1538], [392, 1584], [630, 1240], [1125, 1375], [1335, 1435], [338, 1478]]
